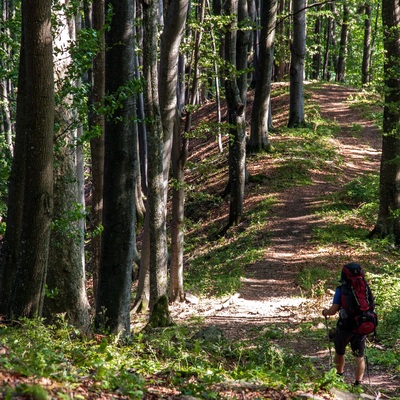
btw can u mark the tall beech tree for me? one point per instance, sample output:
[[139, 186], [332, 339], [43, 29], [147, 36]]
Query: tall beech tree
[[259, 139], [96, 122], [120, 173], [366, 60], [236, 115], [388, 222], [156, 215], [317, 46], [170, 42], [36, 128], [66, 277], [344, 33], [298, 50]]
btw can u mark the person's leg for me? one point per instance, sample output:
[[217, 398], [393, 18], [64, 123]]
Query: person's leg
[[358, 346], [360, 369], [341, 340], [339, 363]]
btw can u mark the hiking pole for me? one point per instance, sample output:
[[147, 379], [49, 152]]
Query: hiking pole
[[367, 363], [329, 343]]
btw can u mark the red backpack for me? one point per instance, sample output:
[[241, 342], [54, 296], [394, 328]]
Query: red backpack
[[357, 313]]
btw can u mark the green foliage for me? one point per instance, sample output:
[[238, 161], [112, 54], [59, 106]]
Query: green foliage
[[330, 380], [218, 268], [10, 36], [313, 280], [349, 213], [5, 168], [59, 353], [194, 364], [34, 392], [387, 293], [355, 41], [66, 224]]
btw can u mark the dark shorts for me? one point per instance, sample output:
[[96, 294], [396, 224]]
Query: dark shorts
[[343, 338]]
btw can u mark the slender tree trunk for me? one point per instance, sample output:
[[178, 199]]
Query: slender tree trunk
[[296, 107], [388, 222], [254, 16], [317, 56], [16, 190], [156, 191], [170, 42], [236, 117], [120, 173], [365, 71], [328, 44], [5, 84], [283, 33], [96, 121], [341, 67], [31, 265], [259, 139]]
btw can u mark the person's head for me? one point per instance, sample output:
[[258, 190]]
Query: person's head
[[351, 269]]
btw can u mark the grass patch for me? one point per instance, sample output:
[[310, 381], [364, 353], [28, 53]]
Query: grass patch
[[176, 357], [217, 268], [313, 281]]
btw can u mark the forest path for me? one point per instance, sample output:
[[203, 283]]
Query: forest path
[[269, 297]]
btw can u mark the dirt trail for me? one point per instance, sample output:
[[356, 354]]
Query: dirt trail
[[269, 294]]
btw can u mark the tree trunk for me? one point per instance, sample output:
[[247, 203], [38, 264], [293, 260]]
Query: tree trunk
[[16, 189], [156, 153], [6, 90], [169, 53], [296, 107], [66, 281], [329, 33], [236, 117], [259, 139], [120, 172], [317, 56], [96, 121], [365, 69], [284, 37], [388, 222], [31, 266], [341, 67]]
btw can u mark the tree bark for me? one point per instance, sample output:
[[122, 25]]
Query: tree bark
[[388, 222], [296, 107], [259, 140], [157, 158], [344, 32], [329, 43], [366, 60], [317, 56], [169, 53], [96, 121], [66, 280], [16, 190], [31, 265], [120, 173], [236, 117], [283, 34]]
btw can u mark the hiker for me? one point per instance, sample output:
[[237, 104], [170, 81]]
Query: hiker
[[347, 326]]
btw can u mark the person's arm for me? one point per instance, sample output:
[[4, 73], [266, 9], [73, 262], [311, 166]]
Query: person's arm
[[336, 304], [332, 310]]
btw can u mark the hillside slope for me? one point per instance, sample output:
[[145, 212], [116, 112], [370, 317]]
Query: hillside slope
[[270, 295]]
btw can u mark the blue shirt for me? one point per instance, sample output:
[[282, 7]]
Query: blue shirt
[[337, 297]]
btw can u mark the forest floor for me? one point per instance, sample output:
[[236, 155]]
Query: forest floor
[[269, 293]]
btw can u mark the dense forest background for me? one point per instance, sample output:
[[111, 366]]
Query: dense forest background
[[102, 106]]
